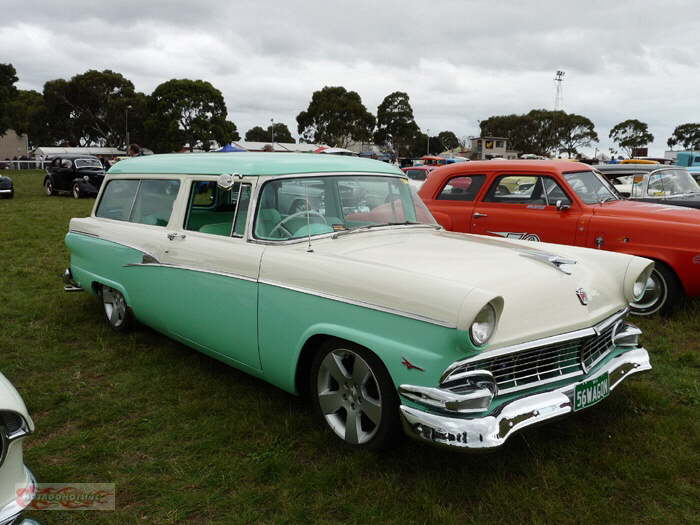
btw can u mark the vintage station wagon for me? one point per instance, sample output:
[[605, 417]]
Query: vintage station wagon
[[328, 276]]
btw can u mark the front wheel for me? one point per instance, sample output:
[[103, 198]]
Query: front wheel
[[76, 191], [354, 395], [662, 293], [117, 313]]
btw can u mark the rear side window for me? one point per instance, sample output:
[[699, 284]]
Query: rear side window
[[154, 202], [118, 199], [143, 202], [463, 188]]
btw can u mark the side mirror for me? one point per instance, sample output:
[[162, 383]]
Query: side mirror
[[561, 206], [226, 181]]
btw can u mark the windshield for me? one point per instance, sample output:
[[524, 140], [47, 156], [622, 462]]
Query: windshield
[[666, 183], [590, 187], [88, 163], [296, 208]]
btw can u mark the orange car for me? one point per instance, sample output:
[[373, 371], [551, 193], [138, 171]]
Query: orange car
[[567, 203]]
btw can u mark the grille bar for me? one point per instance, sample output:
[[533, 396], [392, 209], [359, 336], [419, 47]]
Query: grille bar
[[540, 365]]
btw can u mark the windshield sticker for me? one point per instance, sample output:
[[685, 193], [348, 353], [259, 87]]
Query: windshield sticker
[[523, 236]]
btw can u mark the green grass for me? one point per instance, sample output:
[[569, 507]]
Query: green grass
[[187, 439]]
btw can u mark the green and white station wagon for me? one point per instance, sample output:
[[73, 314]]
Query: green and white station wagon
[[327, 275]]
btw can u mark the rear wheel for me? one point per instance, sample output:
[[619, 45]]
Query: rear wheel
[[116, 311], [354, 395], [76, 191], [662, 293], [48, 187]]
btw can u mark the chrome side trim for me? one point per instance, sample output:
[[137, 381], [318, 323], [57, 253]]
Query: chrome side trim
[[84, 233], [362, 304], [191, 269], [584, 332]]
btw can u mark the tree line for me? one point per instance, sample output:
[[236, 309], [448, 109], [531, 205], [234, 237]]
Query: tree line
[[97, 108]]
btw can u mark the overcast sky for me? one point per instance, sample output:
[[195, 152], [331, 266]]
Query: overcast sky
[[459, 61]]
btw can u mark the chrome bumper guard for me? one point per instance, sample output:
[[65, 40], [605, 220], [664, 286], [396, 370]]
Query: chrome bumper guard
[[488, 432], [70, 284], [10, 514]]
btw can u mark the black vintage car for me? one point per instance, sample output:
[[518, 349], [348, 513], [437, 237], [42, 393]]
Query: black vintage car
[[81, 175], [7, 189]]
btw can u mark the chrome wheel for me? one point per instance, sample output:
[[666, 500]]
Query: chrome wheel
[[76, 191], [48, 186], [349, 396], [654, 296], [114, 306]]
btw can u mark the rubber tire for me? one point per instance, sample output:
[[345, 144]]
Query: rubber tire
[[77, 194], [674, 292], [128, 321], [48, 187], [390, 431]]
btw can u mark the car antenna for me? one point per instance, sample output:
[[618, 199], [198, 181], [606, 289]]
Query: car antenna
[[308, 218]]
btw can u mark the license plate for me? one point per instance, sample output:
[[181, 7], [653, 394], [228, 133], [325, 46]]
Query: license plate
[[590, 392]]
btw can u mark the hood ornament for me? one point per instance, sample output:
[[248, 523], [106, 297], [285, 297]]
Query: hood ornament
[[557, 261], [582, 296]]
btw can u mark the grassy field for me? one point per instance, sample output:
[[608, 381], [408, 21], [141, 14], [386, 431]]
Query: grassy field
[[187, 439]]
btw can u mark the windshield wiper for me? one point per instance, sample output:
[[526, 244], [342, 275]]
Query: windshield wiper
[[383, 224]]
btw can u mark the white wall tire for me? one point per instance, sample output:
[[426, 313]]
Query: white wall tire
[[662, 294]]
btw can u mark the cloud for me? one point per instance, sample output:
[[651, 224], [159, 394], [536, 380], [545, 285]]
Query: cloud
[[460, 61]]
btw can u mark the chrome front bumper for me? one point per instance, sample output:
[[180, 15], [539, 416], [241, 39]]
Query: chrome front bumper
[[10, 513], [493, 430]]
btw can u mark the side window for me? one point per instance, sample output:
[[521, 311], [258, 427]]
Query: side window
[[154, 202], [527, 189], [117, 199], [463, 188], [212, 210]]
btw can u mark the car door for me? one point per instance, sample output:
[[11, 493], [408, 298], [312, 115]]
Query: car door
[[453, 201], [211, 272], [531, 207], [64, 175]]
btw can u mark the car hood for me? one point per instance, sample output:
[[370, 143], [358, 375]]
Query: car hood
[[448, 277], [638, 210], [11, 400]]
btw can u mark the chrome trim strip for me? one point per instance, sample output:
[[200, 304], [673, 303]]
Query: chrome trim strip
[[84, 233], [363, 304], [191, 269], [133, 203], [584, 332]]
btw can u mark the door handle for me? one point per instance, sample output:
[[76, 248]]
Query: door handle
[[478, 215], [172, 236]]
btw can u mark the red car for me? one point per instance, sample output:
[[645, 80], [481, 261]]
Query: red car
[[567, 203]]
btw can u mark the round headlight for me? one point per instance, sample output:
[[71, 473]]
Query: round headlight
[[484, 325], [640, 286]]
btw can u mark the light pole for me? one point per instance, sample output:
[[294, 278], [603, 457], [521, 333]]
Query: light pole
[[428, 148], [126, 124], [272, 129]]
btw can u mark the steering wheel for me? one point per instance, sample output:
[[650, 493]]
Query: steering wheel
[[293, 216]]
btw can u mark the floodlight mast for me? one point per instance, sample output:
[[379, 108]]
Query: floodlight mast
[[559, 95]]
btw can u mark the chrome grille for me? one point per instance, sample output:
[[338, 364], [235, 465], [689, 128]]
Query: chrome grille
[[542, 364]]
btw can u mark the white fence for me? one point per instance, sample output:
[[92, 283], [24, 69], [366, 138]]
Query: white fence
[[23, 164]]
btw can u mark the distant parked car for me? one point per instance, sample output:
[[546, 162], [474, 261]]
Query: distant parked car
[[81, 175], [654, 183], [417, 175], [7, 188], [17, 484]]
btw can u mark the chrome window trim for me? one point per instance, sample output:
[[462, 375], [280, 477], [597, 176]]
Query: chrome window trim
[[362, 304], [191, 269], [576, 334]]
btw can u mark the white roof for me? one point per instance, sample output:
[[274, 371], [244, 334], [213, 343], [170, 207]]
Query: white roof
[[50, 150]]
